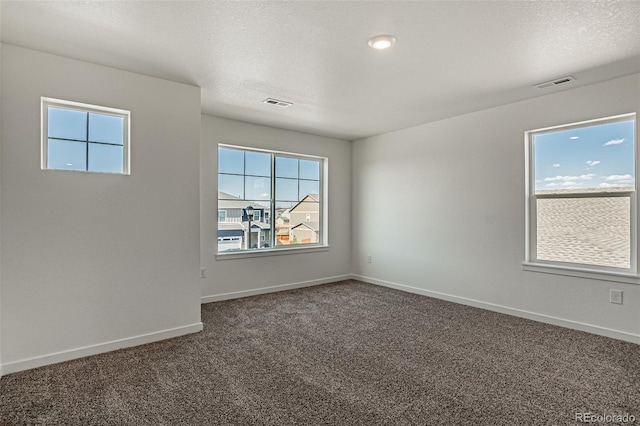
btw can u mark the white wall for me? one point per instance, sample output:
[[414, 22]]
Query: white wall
[[92, 262], [441, 210], [241, 277]]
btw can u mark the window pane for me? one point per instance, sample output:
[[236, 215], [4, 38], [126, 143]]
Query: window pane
[[286, 167], [106, 128], [592, 231], [597, 156], [308, 187], [258, 164], [310, 169], [66, 124], [105, 158], [286, 189], [230, 186], [230, 161], [65, 155], [257, 188]]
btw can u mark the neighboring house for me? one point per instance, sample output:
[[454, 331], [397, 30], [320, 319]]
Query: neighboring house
[[232, 223], [304, 220], [283, 228]]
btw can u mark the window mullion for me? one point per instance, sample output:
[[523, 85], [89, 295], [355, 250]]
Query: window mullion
[[273, 201], [87, 143]]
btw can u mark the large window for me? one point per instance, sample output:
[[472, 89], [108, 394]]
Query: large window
[[84, 137], [271, 199], [582, 196]]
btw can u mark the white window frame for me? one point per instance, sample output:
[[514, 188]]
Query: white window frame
[[225, 215], [273, 249], [78, 106], [532, 263]]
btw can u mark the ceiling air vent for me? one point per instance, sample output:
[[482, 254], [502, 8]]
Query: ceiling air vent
[[556, 82], [276, 102]]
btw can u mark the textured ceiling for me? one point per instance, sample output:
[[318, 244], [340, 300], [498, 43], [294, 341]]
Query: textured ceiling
[[450, 57]]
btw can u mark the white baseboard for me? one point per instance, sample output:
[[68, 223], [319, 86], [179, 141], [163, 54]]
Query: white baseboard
[[272, 289], [27, 364], [576, 325]]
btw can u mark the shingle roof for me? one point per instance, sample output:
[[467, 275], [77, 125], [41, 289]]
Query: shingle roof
[[314, 226]]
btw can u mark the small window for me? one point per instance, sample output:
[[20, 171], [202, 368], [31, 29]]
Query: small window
[[582, 195], [222, 215], [256, 215], [83, 137]]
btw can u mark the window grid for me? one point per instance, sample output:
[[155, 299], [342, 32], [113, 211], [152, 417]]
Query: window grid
[[273, 200], [88, 110], [533, 196]]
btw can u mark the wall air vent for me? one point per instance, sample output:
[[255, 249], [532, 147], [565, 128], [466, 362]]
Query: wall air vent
[[555, 82], [276, 102]]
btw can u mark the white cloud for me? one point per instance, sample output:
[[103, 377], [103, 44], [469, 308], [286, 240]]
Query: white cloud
[[574, 137], [593, 163], [617, 177], [614, 142], [556, 165], [570, 178], [571, 184], [615, 184]]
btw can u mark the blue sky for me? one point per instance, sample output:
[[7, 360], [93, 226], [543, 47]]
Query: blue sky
[[67, 128], [247, 175], [599, 156]]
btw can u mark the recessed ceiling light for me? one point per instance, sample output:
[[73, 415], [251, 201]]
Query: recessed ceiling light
[[574, 137], [382, 42]]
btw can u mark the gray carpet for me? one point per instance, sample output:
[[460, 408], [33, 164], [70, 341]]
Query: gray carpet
[[347, 353]]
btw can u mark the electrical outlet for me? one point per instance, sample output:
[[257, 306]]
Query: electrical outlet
[[369, 259], [615, 296], [203, 272]]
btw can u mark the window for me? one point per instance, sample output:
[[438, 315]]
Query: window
[[581, 203], [222, 215], [284, 190], [84, 137]]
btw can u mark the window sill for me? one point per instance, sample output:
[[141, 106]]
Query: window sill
[[270, 252], [620, 277]]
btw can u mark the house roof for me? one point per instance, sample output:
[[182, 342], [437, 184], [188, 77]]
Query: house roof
[[309, 197], [230, 226], [228, 201], [314, 226]]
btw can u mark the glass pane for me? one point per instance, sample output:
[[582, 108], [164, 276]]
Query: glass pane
[[257, 188], [106, 128], [258, 164], [230, 161], [230, 186], [105, 158], [65, 155], [286, 189], [66, 124], [597, 156], [591, 231], [308, 187], [310, 169], [286, 167]]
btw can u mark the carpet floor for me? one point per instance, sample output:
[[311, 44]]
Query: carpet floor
[[347, 353]]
